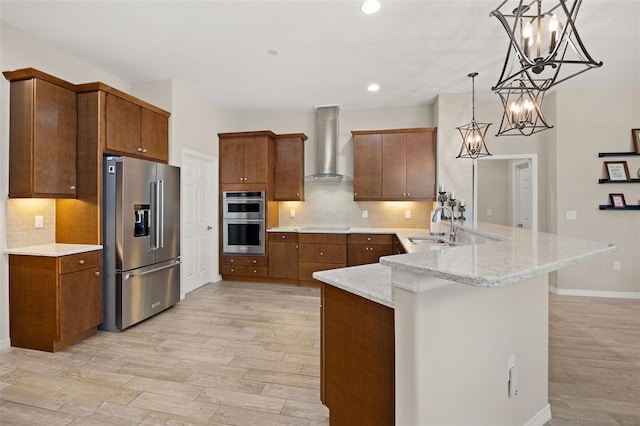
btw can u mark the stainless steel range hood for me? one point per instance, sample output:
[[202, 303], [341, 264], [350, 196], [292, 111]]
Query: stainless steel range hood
[[327, 143]]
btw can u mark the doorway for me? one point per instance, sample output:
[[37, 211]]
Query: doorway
[[198, 220], [505, 190]]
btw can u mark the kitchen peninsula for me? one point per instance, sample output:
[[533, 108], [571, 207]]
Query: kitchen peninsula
[[456, 334]]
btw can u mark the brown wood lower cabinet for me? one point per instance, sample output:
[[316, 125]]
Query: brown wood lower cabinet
[[319, 252], [364, 249], [357, 359], [244, 266], [283, 255], [55, 301]]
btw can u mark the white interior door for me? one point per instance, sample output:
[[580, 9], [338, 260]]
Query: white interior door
[[198, 183], [522, 195]]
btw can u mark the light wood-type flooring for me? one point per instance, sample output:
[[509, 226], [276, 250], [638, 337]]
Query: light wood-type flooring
[[236, 353]]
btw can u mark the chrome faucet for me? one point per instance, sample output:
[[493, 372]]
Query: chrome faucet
[[452, 230]]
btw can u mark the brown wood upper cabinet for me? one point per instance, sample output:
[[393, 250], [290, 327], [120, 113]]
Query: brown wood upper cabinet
[[395, 164], [289, 179], [135, 130], [42, 135], [244, 157]]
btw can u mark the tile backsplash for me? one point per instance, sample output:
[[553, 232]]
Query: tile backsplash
[[330, 203], [21, 230]]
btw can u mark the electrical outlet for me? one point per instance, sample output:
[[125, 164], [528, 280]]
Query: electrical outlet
[[407, 214], [39, 221], [365, 214], [293, 213], [617, 265], [572, 215], [511, 362]]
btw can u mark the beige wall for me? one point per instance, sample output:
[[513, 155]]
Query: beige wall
[[592, 121]]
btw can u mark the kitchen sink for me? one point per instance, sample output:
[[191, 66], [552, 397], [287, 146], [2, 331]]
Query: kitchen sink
[[432, 240]]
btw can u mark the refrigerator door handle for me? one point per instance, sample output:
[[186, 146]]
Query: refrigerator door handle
[[126, 277], [161, 214]]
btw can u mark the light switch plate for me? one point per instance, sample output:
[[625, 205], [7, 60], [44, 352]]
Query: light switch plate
[[365, 214], [293, 213], [407, 214], [39, 221]]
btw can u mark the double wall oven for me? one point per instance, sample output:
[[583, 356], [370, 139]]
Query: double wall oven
[[243, 222]]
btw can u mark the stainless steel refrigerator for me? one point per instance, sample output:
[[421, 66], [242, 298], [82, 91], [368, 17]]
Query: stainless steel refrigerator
[[141, 239]]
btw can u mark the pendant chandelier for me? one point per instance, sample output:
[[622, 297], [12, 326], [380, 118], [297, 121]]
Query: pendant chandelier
[[521, 101], [545, 46], [473, 133]]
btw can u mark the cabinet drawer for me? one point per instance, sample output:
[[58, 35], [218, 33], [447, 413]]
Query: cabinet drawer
[[306, 269], [258, 271], [285, 237], [370, 238], [80, 261], [245, 260], [323, 253], [322, 238]]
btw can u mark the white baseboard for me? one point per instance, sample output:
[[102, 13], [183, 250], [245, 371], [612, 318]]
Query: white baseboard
[[541, 417], [595, 293], [5, 344]]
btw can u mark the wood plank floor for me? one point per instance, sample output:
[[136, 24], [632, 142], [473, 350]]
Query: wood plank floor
[[248, 354]]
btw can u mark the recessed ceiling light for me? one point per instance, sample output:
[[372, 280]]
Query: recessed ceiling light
[[370, 6], [373, 87], [273, 52]]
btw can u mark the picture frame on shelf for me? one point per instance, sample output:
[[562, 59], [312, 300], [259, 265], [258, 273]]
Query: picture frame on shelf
[[635, 134], [617, 170], [617, 201]]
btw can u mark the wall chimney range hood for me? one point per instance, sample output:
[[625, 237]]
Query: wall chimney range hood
[[327, 143]]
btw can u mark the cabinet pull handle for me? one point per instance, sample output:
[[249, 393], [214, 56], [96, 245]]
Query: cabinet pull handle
[[97, 273], [81, 261]]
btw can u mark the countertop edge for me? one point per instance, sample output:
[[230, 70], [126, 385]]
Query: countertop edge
[[53, 249]]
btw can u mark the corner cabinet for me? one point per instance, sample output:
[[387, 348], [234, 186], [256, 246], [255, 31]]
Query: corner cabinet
[[635, 207], [395, 165], [42, 135], [246, 157], [289, 167], [55, 301]]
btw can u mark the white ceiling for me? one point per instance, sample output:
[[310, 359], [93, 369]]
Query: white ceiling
[[328, 50]]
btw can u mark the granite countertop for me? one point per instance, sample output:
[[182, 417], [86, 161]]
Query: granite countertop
[[490, 256], [53, 249]]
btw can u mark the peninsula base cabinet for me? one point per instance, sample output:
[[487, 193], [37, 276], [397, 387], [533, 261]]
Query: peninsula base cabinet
[[55, 301], [357, 359], [319, 252]]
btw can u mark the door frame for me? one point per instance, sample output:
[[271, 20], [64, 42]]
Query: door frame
[[515, 184], [212, 240], [533, 159]]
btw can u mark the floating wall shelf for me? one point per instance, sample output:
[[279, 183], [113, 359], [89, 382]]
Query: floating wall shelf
[[610, 207], [617, 154], [632, 180]]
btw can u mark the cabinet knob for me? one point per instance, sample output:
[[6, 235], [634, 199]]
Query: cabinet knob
[[355, 193], [284, 236], [81, 261], [255, 261], [255, 272], [144, 150], [371, 248], [296, 246], [139, 149], [321, 253], [408, 194], [97, 273], [368, 238], [297, 194], [233, 270], [72, 187], [231, 261]]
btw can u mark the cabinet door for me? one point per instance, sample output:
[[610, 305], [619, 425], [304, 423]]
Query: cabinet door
[[283, 260], [155, 135], [54, 150], [394, 166], [421, 166], [256, 160], [123, 126], [367, 167], [289, 169], [81, 301], [231, 160]]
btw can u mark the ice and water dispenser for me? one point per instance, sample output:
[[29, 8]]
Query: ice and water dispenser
[[141, 219]]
